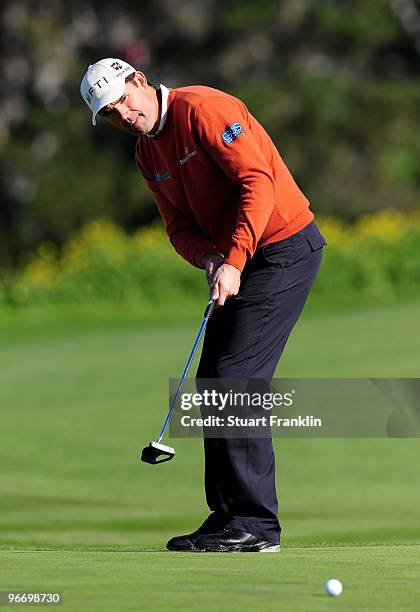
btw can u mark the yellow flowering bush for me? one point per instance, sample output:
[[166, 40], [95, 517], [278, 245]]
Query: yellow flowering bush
[[387, 225], [378, 256]]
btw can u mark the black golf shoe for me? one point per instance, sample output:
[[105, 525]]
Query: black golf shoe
[[212, 525], [184, 542], [187, 543], [233, 540]]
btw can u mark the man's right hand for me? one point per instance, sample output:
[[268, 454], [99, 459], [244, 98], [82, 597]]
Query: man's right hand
[[224, 280], [211, 264]]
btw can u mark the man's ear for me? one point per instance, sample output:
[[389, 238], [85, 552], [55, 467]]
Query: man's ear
[[140, 79]]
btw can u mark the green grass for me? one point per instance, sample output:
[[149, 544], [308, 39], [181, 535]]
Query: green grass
[[374, 578], [81, 395]]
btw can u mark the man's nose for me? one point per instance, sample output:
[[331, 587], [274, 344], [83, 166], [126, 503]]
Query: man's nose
[[123, 111]]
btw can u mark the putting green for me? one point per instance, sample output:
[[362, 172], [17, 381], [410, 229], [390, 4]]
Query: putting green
[[374, 578], [78, 400]]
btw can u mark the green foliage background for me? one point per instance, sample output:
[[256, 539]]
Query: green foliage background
[[336, 84], [376, 259]]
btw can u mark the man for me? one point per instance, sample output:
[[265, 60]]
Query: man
[[231, 207]]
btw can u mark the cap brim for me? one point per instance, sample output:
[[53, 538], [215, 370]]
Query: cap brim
[[112, 95]]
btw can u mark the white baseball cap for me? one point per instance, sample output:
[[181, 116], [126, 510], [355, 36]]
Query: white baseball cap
[[104, 82]]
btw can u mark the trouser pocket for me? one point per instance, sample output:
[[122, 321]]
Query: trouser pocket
[[280, 253]]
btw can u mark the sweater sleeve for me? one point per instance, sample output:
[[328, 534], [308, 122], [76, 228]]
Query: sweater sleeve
[[184, 235], [222, 126]]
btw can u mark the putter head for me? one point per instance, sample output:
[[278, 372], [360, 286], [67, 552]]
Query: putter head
[[150, 454]]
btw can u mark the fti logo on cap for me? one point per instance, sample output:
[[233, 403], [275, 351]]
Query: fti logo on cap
[[102, 81], [116, 65]]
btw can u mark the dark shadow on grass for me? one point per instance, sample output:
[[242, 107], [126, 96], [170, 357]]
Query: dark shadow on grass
[[159, 524]]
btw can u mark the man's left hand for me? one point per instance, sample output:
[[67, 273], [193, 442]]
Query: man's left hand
[[226, 283]]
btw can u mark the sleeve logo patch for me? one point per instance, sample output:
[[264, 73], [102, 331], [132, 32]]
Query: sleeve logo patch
[[232, 132]]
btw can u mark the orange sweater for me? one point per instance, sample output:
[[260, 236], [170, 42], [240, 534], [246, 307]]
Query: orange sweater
[[218, 180]]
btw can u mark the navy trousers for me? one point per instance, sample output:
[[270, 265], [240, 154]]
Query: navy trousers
[[245, 339]]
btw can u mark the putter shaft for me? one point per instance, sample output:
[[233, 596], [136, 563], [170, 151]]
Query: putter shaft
[[207, 314]]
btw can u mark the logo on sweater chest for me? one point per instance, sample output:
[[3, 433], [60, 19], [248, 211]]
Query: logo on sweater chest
[[187, 155], [162, 176]]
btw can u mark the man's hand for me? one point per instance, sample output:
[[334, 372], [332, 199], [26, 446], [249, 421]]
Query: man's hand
[[226, 282], [211, 263], [224, 279]]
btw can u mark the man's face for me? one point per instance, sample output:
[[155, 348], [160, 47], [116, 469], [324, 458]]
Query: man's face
[[137, 111]]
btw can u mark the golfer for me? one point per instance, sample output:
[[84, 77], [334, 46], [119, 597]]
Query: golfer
[[231, 208]]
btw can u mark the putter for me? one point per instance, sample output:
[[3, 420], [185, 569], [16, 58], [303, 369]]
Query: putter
[[156, 452]]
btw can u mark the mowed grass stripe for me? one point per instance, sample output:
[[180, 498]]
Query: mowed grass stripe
[[292, 580]]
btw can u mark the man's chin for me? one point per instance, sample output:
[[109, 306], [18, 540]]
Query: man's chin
[[131, 129]]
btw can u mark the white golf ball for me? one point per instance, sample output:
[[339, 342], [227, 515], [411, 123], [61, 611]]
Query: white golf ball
[[333, 587]]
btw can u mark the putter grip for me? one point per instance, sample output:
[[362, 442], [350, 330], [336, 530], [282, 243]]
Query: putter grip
[[209, 310]]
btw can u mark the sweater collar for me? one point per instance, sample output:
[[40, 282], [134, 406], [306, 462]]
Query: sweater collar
[[164, 92]]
